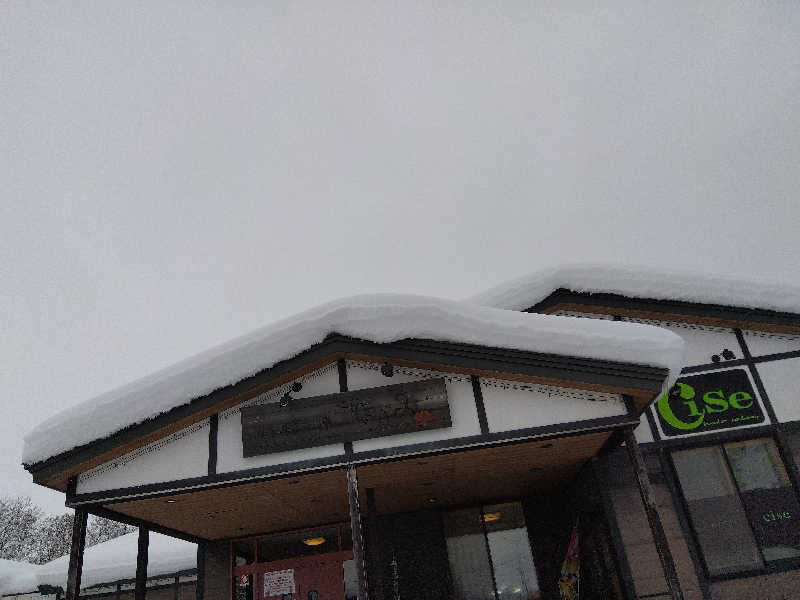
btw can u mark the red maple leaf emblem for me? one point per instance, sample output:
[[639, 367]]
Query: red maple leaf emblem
[[424, 417]]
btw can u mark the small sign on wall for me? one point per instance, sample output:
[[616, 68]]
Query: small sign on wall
[[345, 417], [277, 583], [707, 402]]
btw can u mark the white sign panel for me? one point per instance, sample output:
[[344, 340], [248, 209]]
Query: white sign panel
[[279, 582]]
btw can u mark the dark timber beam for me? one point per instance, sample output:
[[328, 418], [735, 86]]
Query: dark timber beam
[[653, 518], [76, 554], [200, 586], [355, 527], [141, 564], [374, 550]]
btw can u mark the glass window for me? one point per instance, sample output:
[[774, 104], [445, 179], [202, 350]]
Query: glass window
[[244, 553], [743, 508], [489, 546], [350, 579], [510, 551], [768, 497], [716, 512], [301, 543], [467, 555]]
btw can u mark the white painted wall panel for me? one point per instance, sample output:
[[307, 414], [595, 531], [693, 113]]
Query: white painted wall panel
[[780, 380], [643, 432], [511, 405], [229, 445], [761, 343], [701, 342], [179, 456], [463, 412]]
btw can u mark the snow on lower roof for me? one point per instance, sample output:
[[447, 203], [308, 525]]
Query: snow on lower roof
[[115, 560], [17, 577], [643, 282], [378, 318]]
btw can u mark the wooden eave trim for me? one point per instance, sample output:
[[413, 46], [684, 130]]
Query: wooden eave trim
[[641, 382], [714, 315]]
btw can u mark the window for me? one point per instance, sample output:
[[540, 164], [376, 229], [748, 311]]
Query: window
[[743, 509], [489, 553]]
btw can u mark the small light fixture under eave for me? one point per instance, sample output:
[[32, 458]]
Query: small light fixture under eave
[[315, 541], [491, 517], [170, 501]]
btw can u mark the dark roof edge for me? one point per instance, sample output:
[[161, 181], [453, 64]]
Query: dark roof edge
[[668, 307], [466, 356]]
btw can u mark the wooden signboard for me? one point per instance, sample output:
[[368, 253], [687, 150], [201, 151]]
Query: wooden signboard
[[345, 417]]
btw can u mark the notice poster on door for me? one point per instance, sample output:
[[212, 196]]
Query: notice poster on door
[[277, 583]]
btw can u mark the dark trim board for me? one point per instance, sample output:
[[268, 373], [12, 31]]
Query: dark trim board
[[716, 312], [445, 446], [459, 356]]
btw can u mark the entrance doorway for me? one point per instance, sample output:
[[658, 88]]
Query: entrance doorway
[[310, 564]]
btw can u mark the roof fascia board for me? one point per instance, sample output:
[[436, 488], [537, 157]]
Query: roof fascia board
[[579, 372], [675, 310]]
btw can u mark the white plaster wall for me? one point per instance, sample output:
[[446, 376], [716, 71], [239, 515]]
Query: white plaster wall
[[761, 343], [463, 412], [701, 341], [643, 432], [229, 441], [179, 456], [780, 380], [511, 405]]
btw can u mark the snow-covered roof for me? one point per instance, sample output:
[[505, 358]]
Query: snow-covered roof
[[17, 577], [115, 560], [643, 282], [379, 318]]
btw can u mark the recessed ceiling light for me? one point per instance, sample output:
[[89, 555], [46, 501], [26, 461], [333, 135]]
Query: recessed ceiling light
[[171, 501], [432, 500], [491, 517], [315, 541]]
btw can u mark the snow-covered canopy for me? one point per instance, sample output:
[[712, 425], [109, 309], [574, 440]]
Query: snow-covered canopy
[[379, 318], [643, 282], [115, 560], [17, 577]]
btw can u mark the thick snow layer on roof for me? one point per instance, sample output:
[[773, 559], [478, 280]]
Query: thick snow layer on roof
[[17, 577], [115, 560], [379, 318], [642, 282]]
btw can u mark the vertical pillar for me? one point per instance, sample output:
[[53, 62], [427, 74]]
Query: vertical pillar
[[200, 586], [76, 554], [141, 564], [117, 592], [176, 588], [653, 518], [374, 550], [358, 539]]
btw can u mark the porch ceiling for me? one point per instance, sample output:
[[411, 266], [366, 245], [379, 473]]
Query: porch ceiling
[[456, 478]]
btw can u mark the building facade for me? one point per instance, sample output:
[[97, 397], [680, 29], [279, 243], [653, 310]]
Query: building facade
[[587, 456]]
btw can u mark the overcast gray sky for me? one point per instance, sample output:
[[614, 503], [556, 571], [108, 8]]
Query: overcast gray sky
[[175, 174]]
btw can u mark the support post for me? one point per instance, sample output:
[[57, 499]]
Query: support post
[[200, 585], [653, 518], [374, 550], [176, 588], [76, 554], [141, 564], [355, 526]]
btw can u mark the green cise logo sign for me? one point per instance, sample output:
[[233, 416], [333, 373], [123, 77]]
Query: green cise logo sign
[[707, 402]]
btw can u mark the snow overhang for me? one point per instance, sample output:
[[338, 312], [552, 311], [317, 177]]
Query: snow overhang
[[638, 360]]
